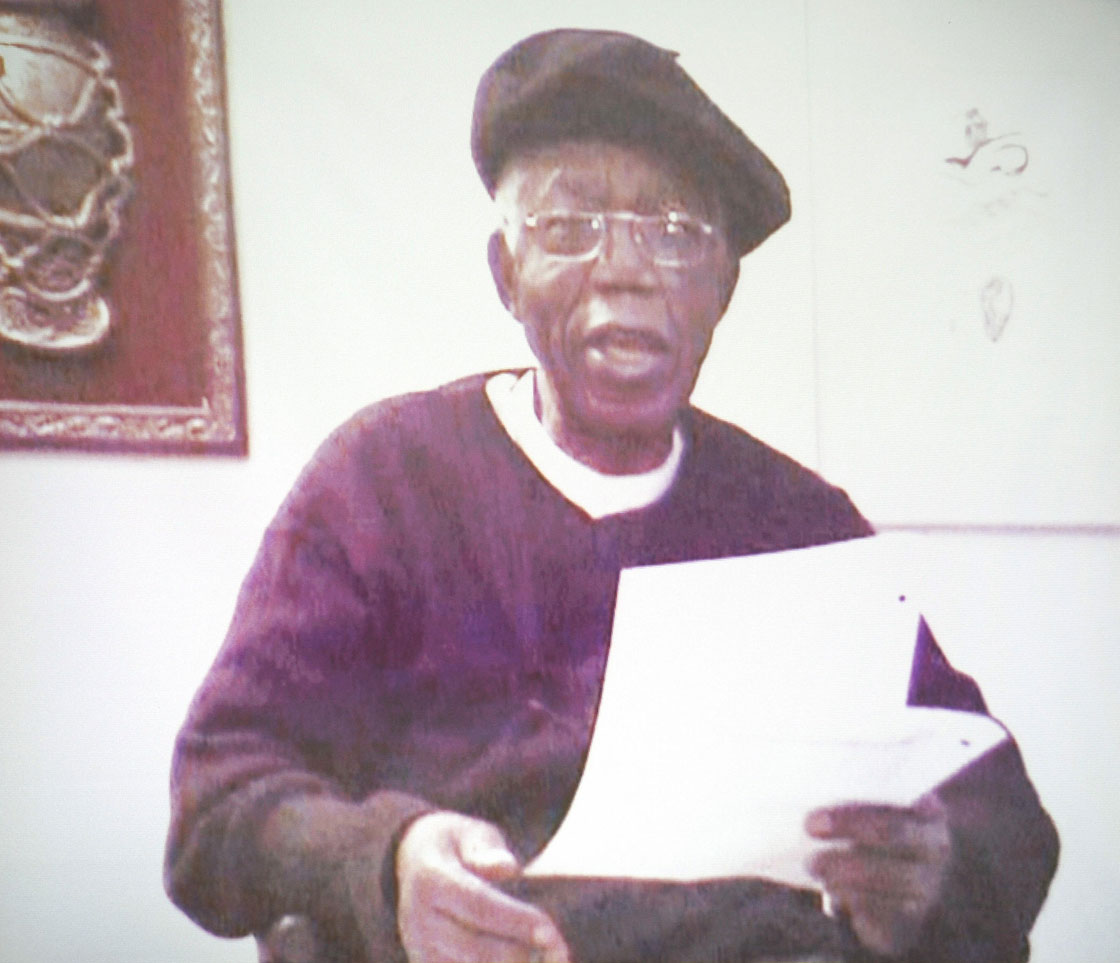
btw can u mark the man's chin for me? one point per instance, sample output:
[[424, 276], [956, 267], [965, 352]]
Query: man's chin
[[630, 417]]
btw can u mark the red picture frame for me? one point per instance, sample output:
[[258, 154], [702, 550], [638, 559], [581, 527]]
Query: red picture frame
[[168, 374]]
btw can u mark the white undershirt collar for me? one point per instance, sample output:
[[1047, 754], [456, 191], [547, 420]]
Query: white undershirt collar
[[598, 494]]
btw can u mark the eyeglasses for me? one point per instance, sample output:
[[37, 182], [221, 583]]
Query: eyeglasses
[[672, 239]]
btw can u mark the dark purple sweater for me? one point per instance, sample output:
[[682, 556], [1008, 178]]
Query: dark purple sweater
[[426, 626]]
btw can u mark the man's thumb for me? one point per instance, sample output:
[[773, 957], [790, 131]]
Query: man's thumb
[[485, 853]]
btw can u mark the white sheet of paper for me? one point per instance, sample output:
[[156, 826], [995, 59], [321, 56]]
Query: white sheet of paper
[[742, 693]]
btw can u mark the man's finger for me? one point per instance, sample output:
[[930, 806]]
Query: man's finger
[[450, 941], [477, 905], [871, 872], [550, 946], [545, 943], [463, 919], [885, 924], [485, 852], [448, 906], [886, 827]]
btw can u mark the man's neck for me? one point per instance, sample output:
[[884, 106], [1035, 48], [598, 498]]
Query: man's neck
[[612, 453], [597, 494]]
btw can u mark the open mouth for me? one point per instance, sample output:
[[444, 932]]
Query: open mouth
[[626, 354]]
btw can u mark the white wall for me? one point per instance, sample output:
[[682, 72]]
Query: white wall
[[361, 230]]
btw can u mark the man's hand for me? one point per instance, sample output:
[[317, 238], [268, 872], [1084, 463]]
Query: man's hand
[[890, 877], [447, 911]]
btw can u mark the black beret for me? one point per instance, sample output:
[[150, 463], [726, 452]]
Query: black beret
[[565, 84]]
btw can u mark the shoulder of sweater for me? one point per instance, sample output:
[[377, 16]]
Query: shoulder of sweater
[[714, 439], [730, 458], [416, 419], [417, 409], [409, 438]]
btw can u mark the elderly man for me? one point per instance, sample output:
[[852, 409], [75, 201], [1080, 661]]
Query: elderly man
[[398, 718]]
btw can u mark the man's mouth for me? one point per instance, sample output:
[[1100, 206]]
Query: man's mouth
[[624, 354]]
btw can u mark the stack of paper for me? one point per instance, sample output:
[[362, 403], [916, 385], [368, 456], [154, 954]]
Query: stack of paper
[[739, 695]]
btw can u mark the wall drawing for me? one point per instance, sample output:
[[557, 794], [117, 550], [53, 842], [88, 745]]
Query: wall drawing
[[992, 173]]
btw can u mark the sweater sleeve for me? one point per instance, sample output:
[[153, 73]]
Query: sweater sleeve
[[1005, 847], [274, 809]]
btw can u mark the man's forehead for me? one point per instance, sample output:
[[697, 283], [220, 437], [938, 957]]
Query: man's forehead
[[604, 172]]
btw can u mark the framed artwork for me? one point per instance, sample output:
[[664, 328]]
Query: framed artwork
[[119, 317]]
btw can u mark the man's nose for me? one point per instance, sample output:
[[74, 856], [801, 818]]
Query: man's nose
[[622, 259]]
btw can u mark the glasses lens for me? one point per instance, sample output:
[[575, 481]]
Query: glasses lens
[[567, 234], [672, 239], [675, 239]]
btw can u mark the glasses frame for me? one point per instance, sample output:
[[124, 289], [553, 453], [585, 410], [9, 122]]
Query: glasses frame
[[602, 219]]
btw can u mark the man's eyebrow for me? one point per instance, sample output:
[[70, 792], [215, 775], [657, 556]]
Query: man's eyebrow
[[589, 190], [666, 200], [583, 188], [555, 178]]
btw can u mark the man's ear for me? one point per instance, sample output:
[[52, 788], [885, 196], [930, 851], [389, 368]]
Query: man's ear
[[501, 267]]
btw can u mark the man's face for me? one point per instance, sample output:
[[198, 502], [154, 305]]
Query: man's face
[[620, 338]]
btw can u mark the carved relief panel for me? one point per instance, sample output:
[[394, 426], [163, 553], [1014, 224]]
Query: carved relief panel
[[119, 327]]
